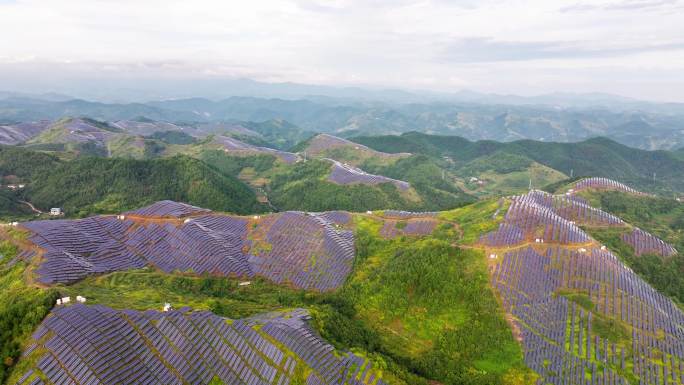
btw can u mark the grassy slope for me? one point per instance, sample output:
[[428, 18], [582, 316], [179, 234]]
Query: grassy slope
[[425, 177], [305, 186], [659, 216], [22, 308], [593, 157], [432, 307], [278, 133]]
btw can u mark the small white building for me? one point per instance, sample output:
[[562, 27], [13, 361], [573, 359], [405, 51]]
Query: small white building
[[167, 307], [245, 283], [80, 299], [56, 211]]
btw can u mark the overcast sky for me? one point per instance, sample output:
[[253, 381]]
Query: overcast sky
[[628, 47]]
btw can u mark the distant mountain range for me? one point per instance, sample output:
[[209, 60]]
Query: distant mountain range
[[562, 119]]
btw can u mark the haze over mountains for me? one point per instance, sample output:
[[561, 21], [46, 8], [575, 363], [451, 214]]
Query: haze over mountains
[[347, 112]]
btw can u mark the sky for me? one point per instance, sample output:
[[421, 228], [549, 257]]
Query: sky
[[633, 48]]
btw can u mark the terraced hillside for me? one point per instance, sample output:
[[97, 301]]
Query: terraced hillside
[[580, 313], [18, 133], [345, 174], [306, 251], [95, 344]]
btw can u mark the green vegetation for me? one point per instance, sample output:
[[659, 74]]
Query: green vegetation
[[593, 157], [477, 219], [664, 274], [23, 164], [426, 177], [126, 146], [97, 185], [304, 186], [149, 289], [22, 308], [556, 187], [515, 182], [279, 133], [89, 185], [432, 309], [233, 165], [173, 137], [499, 162], [11, 207]]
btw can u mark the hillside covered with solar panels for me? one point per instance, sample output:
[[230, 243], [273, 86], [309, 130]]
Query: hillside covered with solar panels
[[574, 286], [261, 253]]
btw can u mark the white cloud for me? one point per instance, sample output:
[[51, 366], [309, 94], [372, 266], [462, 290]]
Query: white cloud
[[517, 46]]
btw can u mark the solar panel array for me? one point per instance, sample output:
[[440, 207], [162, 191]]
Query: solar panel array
[[81, 344], [644, 242], [582, 316], [408, 214], [392, 229], [234, 146], [80, 131], [337, 217], [530, 217], [325, 142], [574, 208], [604, 184], [168, 209], [308, 251], [557, 336], [345, 174]]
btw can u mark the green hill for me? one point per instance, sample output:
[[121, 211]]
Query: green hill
[[305, 185], [593, 157], [89, 185]]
